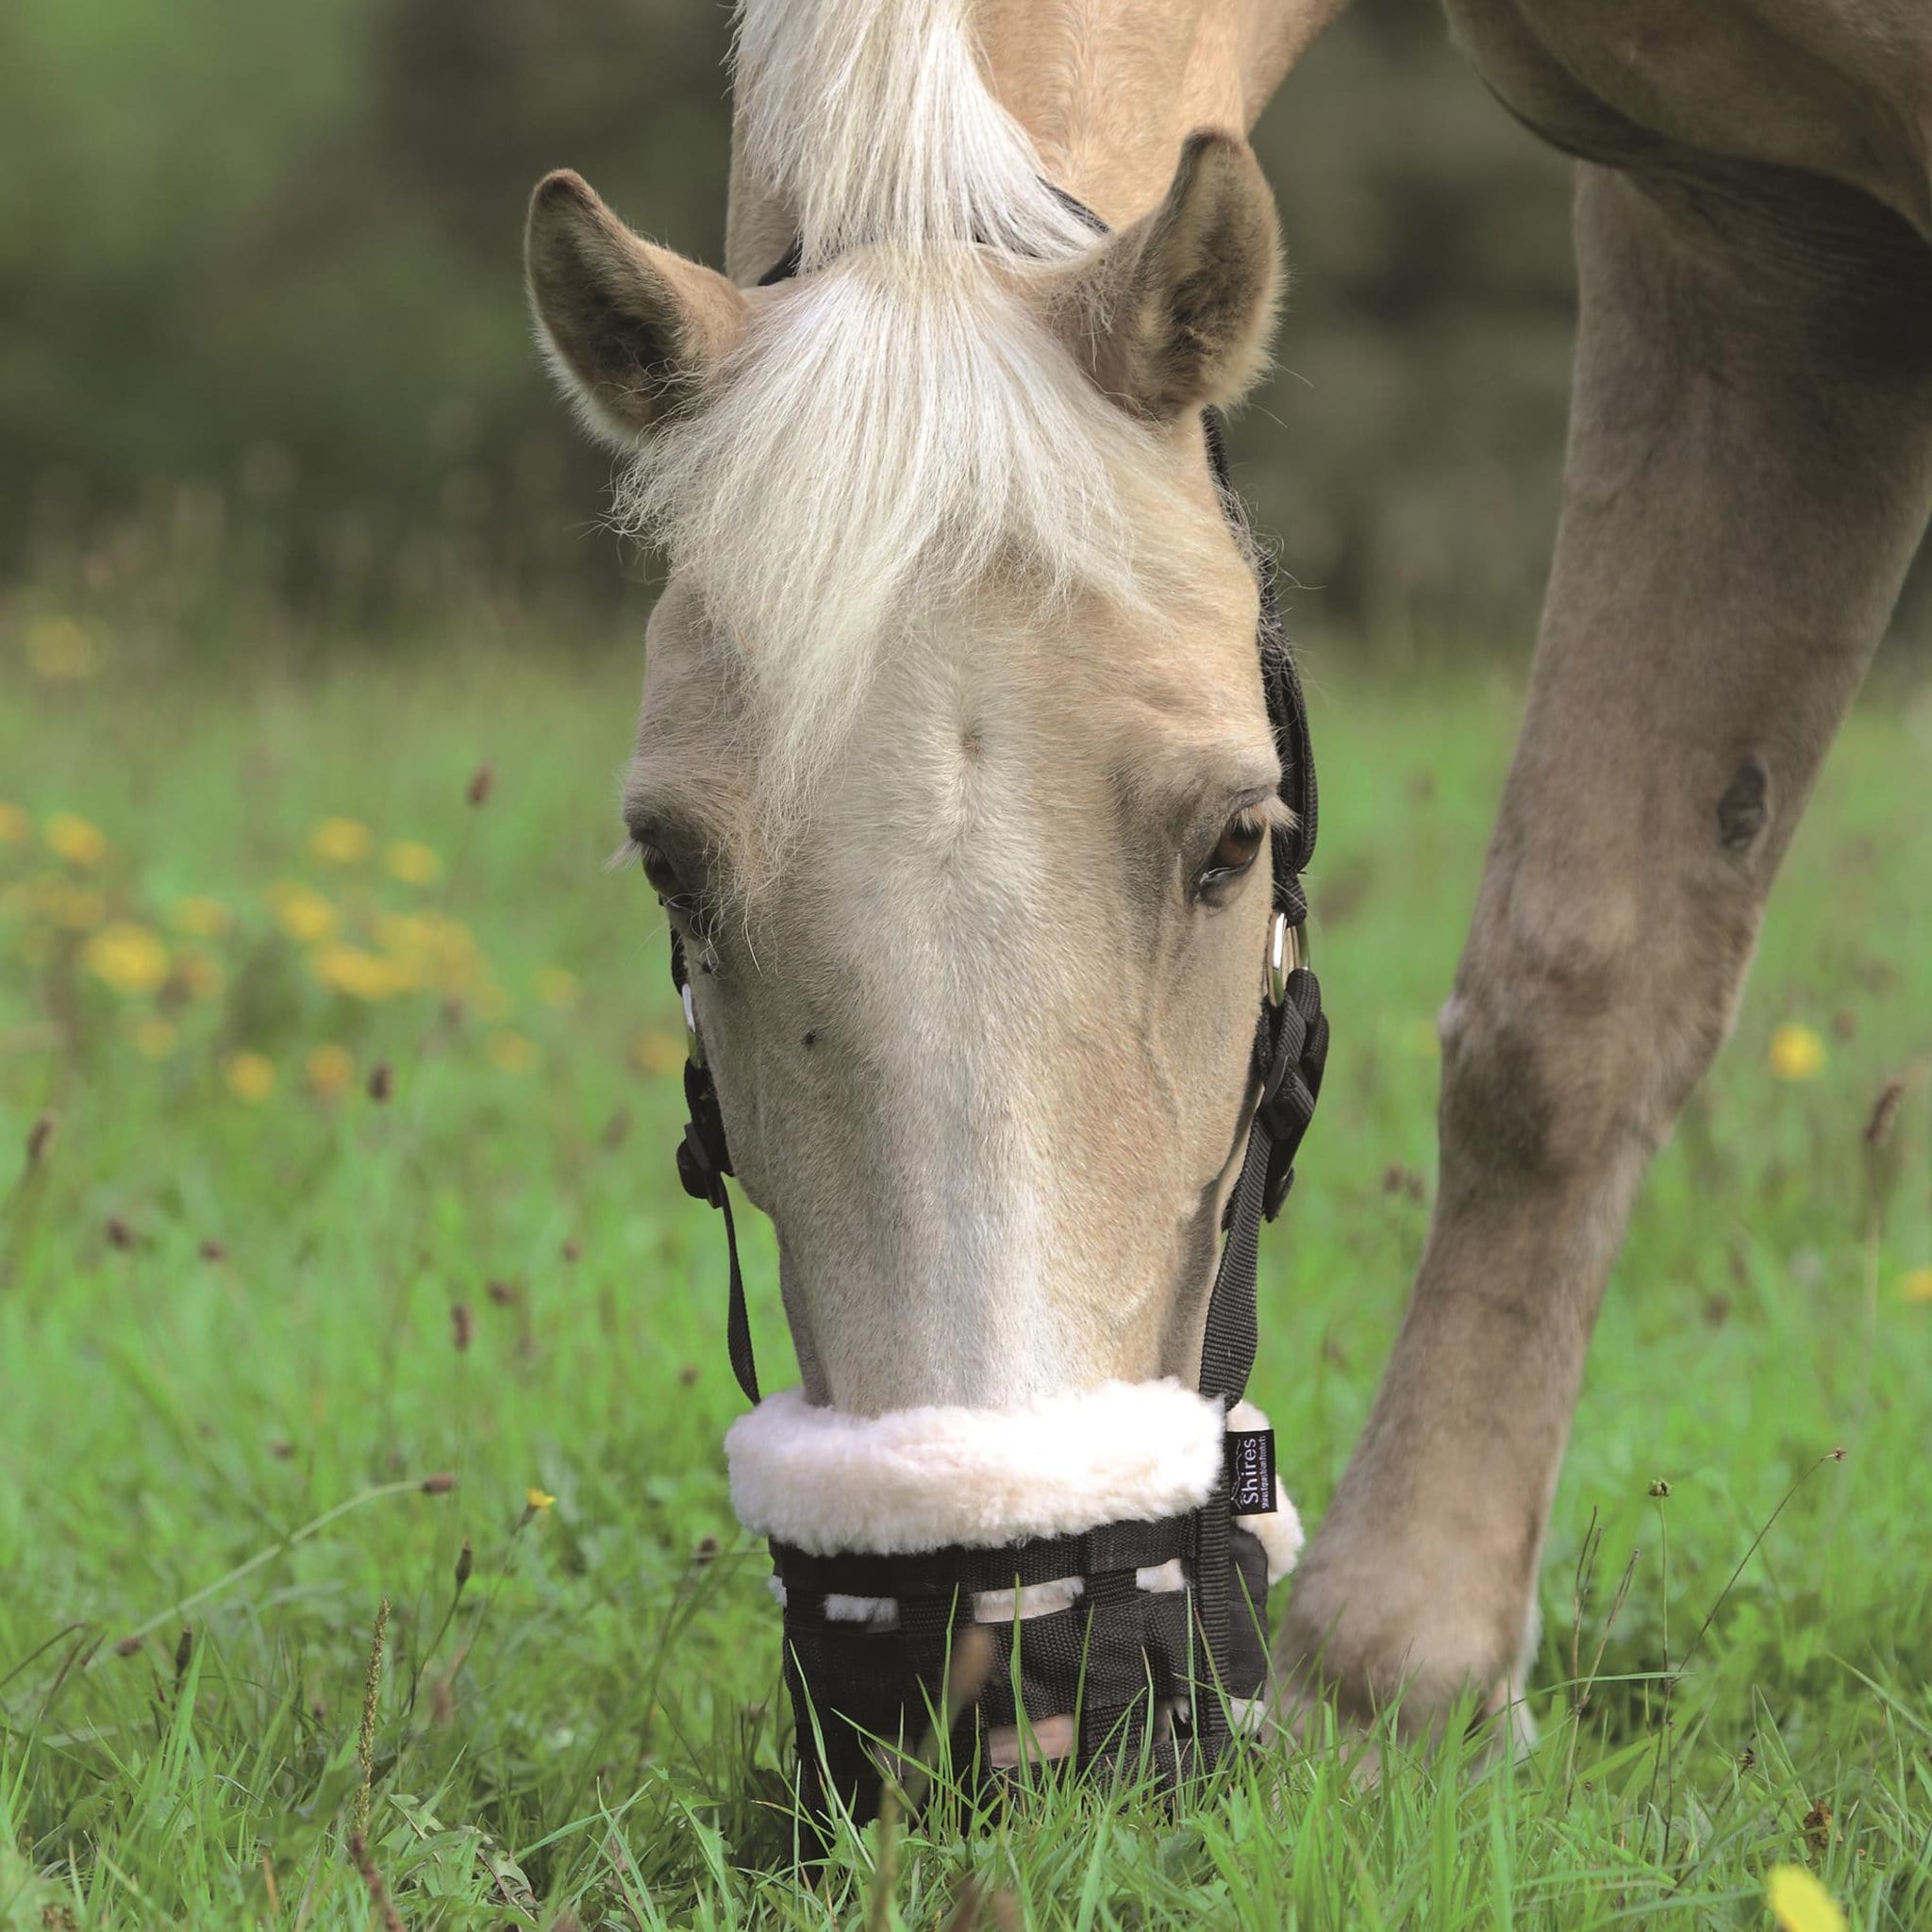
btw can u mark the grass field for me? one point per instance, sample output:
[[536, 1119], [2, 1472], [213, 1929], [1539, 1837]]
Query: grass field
[[273, 1351]]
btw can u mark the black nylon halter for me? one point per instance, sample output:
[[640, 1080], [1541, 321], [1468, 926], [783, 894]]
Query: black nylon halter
[[1122, 1645]]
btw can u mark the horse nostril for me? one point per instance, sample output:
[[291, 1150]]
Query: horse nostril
[[811, 1038]]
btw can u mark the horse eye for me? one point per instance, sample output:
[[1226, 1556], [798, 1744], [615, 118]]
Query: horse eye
[[659, 871], [1241, 841]]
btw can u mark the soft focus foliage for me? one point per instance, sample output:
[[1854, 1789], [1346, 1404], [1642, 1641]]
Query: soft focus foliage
[[261, 313]]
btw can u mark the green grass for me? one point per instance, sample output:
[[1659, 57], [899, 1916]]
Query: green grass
[[211, 1457]]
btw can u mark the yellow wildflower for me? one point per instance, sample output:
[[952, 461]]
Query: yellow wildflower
[[59, 651], [536, 1501], [1799, 1902], [69, 836], [512, 1053], [331, 1071], [201, 977], [1796, 1053], [251, 1076], [340, 842], [129, 957], [301, 911], [556, 986], [655, 1053], [359, 973], [15, 827], [154, 1040], [200, 918], [1916, 1285], [414, 864]]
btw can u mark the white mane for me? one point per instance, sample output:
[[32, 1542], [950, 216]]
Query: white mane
[[897, 424]]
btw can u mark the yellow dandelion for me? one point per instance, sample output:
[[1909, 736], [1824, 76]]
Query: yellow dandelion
[[1799, 1902], [128, 957], [357, 973], [77, 909], [556, 986], [301, 911], [340, 842], [201, 977], [250, 1076], [414, 864], [1916, 1285], [59, 651], [657, 1054], [536, 1501], [1796, 1053], [16, 828], [154, 1040], [200, 918], [69, 836], [331, 1071], [512, 1053]]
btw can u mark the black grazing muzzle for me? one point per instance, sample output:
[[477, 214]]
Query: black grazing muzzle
[[1113, 1644]]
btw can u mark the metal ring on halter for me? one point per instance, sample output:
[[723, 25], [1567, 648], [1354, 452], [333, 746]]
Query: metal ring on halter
[[694, 1043], [1287, 952]]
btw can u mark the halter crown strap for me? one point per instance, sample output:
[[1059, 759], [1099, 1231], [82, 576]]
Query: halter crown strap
[[1291, 1040]]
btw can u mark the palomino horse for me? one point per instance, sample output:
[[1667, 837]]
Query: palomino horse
[[954, 766]]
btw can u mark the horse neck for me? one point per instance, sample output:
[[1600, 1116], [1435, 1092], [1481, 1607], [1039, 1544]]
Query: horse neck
[[1107, 89]]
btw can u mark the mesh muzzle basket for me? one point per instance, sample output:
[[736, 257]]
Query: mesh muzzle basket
[[1120, 1678]]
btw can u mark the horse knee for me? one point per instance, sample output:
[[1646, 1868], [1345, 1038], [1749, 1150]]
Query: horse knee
[[1583, 1015]]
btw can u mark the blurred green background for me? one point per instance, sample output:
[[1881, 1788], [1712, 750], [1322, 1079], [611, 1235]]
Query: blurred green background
[[261, 321]]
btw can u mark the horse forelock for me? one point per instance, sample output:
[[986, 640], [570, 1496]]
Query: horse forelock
[[898, 425]]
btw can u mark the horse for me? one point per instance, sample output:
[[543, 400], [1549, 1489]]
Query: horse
[[955, 768]]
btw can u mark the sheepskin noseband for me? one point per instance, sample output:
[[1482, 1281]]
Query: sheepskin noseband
[[1115, 1545]]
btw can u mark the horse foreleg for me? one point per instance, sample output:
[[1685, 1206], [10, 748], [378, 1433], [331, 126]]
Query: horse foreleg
[[1748, 475]]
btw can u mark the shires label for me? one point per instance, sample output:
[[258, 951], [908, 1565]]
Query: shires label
[[1251, 1471]]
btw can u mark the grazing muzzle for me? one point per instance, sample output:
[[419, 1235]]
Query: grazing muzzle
[[1116, 1544]]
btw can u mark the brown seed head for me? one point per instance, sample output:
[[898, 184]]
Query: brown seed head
[[706, 1549], [40, 1136], [500, 1293], [1659, 1487], [128, 1646], [1884, 1110], [466, 1563], [573, 1250], [440, 1484], [462, 1325], [688, 1375], [482, 783], [119, 1233], [212, 1250], [382, 1082]]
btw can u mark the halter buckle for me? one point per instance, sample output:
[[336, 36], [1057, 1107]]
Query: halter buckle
[[693, 1042], [1286, 953]]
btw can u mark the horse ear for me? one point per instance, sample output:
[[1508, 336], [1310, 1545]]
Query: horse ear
[[1175, 313], [630, 330]]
